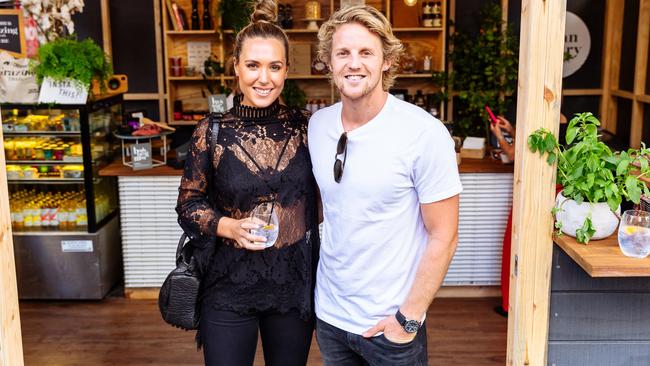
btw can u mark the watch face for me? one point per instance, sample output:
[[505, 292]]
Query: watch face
[[411, 326]]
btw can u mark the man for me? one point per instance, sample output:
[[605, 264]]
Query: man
[[390, 204]]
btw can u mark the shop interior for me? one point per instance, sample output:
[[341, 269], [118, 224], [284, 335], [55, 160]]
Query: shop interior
[[90, 179]]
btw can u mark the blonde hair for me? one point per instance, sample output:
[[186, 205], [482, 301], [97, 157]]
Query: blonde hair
[[262, 25], [376, 23]]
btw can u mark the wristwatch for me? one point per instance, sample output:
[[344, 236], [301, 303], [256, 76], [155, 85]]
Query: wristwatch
[[410, 326]]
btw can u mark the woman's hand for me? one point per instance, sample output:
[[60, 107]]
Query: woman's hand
[[506, 125], [239, 231]]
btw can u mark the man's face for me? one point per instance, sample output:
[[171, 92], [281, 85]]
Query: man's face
[[357, 61]]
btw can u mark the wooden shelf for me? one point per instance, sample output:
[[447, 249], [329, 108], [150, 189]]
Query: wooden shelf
[[191, 32], [417, 29], [414, 76], [198, 78], [288, 31], [307, 77], [603, 258], [183, 123]]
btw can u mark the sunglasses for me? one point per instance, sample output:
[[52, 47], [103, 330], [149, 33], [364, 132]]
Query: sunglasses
[[341, 148]]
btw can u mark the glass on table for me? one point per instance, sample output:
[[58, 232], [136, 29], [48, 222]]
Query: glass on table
[[264, 215], [634, 233]]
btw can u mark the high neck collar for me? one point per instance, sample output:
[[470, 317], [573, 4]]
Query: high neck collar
[[248, 112]]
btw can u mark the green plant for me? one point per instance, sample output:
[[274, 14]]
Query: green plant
[[235, 14], [484, 71], [589, 170], [292, 95], [68, 58]]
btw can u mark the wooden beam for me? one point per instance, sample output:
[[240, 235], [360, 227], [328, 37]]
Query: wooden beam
[[541, 54], [107, 42], [142, 96], [581, 92], [640, 72], [611, 61], [160, 66], [11, 346], [622, 94]]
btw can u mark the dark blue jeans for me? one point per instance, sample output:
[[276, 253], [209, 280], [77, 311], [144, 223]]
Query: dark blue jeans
[[341, 348]]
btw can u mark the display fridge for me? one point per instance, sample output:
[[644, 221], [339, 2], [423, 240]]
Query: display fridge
[[64, 215]]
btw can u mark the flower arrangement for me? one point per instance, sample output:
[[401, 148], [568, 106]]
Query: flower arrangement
[[53, 17]]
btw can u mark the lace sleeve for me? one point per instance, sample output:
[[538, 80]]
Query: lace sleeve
[[195, 215]]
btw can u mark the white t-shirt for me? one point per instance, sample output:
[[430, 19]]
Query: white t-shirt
[[373, 233]]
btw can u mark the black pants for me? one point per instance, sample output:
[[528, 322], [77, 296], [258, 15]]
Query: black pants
[[230, 339]]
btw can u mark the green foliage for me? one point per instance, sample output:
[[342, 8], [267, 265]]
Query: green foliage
[[588, 170], [485, 67], [235, 14], [586, 231], [292, 95], [68, 58]]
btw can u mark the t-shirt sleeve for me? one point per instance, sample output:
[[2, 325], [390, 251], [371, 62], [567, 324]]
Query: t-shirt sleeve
[[435, 172]]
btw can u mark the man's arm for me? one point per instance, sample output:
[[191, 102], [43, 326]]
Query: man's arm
[[441, 221]]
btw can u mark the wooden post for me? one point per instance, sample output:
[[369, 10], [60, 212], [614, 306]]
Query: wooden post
[[11, 346], [107, 42], [640, 72], [538, 105], [611, 62]]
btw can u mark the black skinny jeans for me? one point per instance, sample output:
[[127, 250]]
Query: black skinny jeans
[[230, 339]]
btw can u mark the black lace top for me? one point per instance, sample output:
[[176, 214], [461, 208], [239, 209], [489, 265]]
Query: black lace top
[[249, 144]]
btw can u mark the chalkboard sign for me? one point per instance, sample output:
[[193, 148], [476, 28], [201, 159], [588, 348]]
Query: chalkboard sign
[[12, 36]]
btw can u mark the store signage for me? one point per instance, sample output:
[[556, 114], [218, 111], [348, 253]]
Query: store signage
[[77, 246], [141, 156], [577, 44], [68, 91], [217, 103], [12, 37]]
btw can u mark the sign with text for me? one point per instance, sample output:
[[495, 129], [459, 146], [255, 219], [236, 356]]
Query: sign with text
[[69, 91], [12, 37], [217, 103], [141, 156], [577, 44]]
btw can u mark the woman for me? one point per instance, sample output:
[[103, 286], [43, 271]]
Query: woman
[[260, 156]]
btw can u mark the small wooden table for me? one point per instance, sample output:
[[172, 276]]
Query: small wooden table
[[603, 258]]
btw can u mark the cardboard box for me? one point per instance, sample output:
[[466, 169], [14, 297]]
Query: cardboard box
[[472, 153]]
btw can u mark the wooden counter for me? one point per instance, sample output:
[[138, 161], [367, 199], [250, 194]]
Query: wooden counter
[[603, 258], [467, 166], [117, 169]]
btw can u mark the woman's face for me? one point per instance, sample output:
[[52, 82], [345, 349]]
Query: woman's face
[[262, 70]]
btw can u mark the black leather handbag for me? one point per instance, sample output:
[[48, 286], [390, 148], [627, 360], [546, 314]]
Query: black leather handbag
[[179, 294], [178, 299]]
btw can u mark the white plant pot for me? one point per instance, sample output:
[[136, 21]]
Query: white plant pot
[[572, 216]]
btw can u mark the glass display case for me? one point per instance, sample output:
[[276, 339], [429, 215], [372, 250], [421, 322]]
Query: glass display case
[[53, 155], [64, 215]]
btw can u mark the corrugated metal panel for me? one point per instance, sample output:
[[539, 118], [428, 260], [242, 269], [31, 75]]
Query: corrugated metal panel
[[484, 207], [150, 232]]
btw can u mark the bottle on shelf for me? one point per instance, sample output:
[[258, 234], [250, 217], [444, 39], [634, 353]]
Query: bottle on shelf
[[207, 19], [419, 99], [426, 19], [195, 25]]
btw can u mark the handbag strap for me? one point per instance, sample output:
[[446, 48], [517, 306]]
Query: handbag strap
[[212, 139]]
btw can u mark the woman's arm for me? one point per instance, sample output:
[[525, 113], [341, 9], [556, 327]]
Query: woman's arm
[[195, 214]]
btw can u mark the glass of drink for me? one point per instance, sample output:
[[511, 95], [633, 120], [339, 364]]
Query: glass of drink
[[265, 216], [634, 233]]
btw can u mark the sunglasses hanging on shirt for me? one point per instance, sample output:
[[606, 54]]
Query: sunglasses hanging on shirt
[[341, 148]]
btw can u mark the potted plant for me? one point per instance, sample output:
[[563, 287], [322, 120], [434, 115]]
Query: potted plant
[[594, 178], [484, 72], [235, 14], [67, 58]]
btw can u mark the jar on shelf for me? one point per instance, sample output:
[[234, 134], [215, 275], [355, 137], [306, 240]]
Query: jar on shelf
[[408, 63]]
